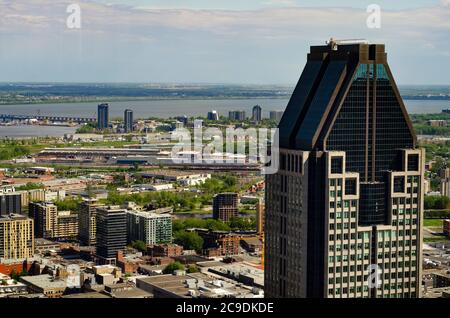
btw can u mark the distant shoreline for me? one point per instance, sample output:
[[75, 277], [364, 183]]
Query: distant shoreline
[[192, 98]]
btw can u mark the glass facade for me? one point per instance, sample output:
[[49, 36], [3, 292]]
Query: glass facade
[[371, 128]]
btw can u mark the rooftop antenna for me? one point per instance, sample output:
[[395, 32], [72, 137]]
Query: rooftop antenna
[[333, 43]]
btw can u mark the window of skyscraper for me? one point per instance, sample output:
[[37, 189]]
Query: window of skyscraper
[[337, 164]]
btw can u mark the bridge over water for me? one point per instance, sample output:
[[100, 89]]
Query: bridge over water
[[4, 117]]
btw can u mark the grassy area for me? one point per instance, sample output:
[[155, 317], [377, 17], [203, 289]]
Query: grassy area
[[106, 143], [432, 223], [436, 239]]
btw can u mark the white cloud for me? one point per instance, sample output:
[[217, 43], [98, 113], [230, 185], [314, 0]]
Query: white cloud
[[219, 35]]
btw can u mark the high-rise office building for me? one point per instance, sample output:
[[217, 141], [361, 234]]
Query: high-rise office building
[[66, 225], [16, 237], [87, 221], [10, 203], [128, 120], [346, 203], [213, 115], [44, 215], [103, 116], [236, 115], [225, 206], [275, 115], [151, 228], [53, 224], [111, 233], [257, 113]]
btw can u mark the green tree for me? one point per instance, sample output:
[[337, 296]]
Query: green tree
[[243, 224], [169, 269], [192, 269], [139, 245], [189, 240]]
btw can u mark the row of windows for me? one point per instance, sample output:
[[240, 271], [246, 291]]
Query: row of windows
[[401, 222], [346, 203], [394, 255], [401, 201], [346, 258], [345, 280], [345, 290], [340, 226], [347, 236], [394, 243], [353, 246], [405, 211], [344, 269], [340, 215]]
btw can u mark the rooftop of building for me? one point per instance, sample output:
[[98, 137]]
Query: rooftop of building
[[43, 281], [13, 217], [87, 295], [149, 214], [198, 285], [173, 173]]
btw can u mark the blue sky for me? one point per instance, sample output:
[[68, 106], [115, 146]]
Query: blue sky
[[212, 41]]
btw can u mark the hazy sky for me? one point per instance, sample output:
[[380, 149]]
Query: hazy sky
[[214, 41]]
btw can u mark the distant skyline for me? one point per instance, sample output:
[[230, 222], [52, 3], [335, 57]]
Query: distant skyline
[[212, 41]]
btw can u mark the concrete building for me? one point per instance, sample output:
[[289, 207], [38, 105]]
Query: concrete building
[[87, 221], [276, 115], [66, 225], [111, 233], [196, 285], [149, 227], [44, 284], [237, 115], [128, 120], [219, 243], [186, 178], [257, 113], [213, 115], [16, 237], [165, 250], [347, 199], [225, 206], [10, 203], [9, 286], [50, 223], [260, 217], [44, 216], [103, 116]]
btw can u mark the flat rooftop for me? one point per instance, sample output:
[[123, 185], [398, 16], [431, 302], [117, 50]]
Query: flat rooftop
[[43, 281], [197, 285]]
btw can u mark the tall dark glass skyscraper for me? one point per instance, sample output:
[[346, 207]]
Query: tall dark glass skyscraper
[[111, 233], [128, 120], [346, 203], [257, 113], [103, 116]]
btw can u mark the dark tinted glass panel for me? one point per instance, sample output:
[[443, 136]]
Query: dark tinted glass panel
[[350, 186], [399, 184], [413, 162], [336, 165], [372, 203]]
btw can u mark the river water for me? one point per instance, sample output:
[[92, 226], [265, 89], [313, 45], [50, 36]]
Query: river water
[[161, 109]]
